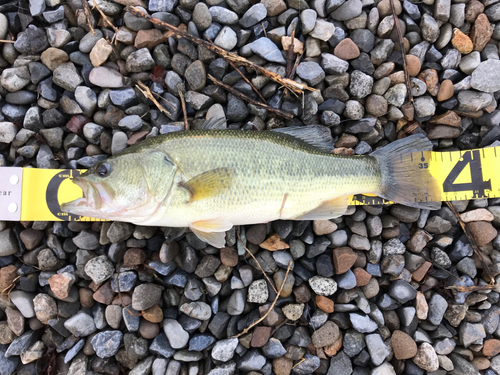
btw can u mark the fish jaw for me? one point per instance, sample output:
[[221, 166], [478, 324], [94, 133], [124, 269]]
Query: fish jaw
[[91, 204]]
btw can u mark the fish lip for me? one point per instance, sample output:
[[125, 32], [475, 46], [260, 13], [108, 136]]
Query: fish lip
[[90, 201]]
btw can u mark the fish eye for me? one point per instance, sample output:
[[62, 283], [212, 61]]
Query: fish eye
[[103, 170]]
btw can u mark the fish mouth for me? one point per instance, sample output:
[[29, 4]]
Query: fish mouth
[[94, 196]]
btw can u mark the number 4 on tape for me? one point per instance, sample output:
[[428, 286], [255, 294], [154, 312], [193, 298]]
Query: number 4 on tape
[[477, 184]]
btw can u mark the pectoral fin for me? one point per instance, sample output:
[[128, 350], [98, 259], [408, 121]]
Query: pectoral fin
[[212, 231], [209, 184], [327, 210]]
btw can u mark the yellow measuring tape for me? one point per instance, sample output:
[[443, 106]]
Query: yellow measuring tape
[[462, 175]]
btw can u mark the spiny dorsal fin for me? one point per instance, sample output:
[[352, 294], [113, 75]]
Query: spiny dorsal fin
[[316, 136], [209, 184]]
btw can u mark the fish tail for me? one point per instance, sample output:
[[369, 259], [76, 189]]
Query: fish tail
[[402, 179]]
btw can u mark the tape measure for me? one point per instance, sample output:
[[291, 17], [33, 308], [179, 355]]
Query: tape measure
[[30, 194]]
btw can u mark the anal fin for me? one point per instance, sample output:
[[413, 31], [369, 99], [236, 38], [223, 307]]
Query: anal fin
[[211, 231], [327, 210]]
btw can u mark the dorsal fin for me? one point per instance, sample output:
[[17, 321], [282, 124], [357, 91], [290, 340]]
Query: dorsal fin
[[316, 136]]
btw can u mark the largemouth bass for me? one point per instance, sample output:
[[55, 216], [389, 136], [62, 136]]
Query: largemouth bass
[[210, 180]]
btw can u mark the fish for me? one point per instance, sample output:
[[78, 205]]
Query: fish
[[212, 180]]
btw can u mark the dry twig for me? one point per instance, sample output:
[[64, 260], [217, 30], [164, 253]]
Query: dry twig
[[256, 261], [184, 112], [242, 76], [7, 290], [238, 60], [472, 242], [299, 362], [245, 331], [250, 100], [88, 15], [106, 19], [147, 93], [7, 41], [403, 52], [472, 288]]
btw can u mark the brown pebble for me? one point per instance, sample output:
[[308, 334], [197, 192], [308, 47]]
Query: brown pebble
[[134, 138], [6, 334], [149, 38], [397, 77], [31, 238], [274, 243], [346, 50], [61, 283], [384, 69], [473, 9], [421, 306], [154, 314], [481, 32], [323, 227], [413, 64], [362, 277], [491, 347], [333, 349], [282, 366], [325, 304], [431, 79], [449, 118], [481, 363], [403, 345], [134, 257], [376, 105], [461, 42], [343, 259], [482, 232], [86, 299], [446, 91], [408, 111], [7, 276], [88, 349], [421, 271], [326, 335], [229, 256], [148, 330], [302, 293], [347, 141], [298, 46], [260, 336], [104, 294], [384, 8]]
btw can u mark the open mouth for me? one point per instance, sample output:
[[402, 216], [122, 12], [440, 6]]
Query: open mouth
[[91, 199]]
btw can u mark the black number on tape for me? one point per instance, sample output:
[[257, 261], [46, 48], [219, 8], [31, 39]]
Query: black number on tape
[[52, 192], [477, 185]]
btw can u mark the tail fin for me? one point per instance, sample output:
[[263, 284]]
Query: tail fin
[[402, 180]]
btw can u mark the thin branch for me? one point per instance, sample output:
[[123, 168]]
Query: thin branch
[[250, 100], [7, 41], [105, 18], [402, 50], [472, 242], [7, 290], [289, 59], [147, 93], [472, 288], [242, 76], [256, 261], [238, 60], [245, 331], [298, 363], [184, 112], [88, 15]]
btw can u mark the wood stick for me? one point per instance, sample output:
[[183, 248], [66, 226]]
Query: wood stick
[[105, 18], [256, 261], [250, 100], [7, 41], [403, 52], [238, 60], [184, 112], [147, 93], [472, 242], [88, 15], [242, 76], [270, 308]]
